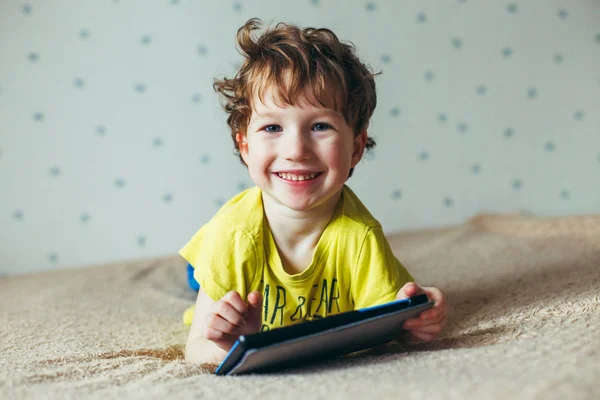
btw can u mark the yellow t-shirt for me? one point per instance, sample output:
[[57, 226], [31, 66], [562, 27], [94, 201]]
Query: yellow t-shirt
[[352, 266]]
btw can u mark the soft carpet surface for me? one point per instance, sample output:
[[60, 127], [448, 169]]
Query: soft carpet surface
[[525, 323]]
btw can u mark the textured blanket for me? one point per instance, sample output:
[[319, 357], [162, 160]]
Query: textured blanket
[[525, 323]]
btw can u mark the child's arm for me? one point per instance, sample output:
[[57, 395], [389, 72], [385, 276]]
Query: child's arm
[[217, 325]]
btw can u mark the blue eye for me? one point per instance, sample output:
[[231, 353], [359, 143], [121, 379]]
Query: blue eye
[[321, 126], [268, 128]]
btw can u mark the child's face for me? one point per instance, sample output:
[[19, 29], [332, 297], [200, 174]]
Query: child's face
[[301, 155]]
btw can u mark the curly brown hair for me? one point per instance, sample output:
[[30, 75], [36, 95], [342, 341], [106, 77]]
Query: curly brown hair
[[292, 60]]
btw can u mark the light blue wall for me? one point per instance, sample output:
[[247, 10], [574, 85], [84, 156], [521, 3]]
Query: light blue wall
[[113, 144]]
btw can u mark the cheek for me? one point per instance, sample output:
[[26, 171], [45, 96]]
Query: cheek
[[339, 155], [259, 156]]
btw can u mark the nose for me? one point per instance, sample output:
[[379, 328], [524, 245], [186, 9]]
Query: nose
[[296, 145]]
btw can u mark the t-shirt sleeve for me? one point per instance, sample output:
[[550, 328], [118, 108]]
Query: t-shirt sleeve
[[379, 275], [224, 259]]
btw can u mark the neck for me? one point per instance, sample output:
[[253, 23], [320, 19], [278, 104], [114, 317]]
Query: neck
[[290, 227]]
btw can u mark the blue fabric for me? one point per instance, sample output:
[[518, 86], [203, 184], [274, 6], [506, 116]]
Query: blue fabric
[[191, 280]]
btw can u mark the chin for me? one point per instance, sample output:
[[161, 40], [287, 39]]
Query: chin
[[297, 206]]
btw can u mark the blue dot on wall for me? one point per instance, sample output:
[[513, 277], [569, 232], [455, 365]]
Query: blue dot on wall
[[507, 52], [386, 58], [38, 116], [421, 17], [578, 115], [517, 184], [146, 40], [18, 215], [79, 82], [550, 146], [476, 169], [597, 37], [509, 132], [175, 2], [462, 127], [101, 130], [563, 14], [370, 6], [157, 142], [558, 58], [448, 202], [396, 194], [55, 171], [315, 2], [442, 117], [481, 90], [237, 6], [84, 33], [53, 258], [26, 9], [167, 197], [242, 186], [424, 155], [120, 183], [512, 8], [394, 112], [84, 217], [564, 194], [196, 98], [33, 57], [429, 76], [139, 87], [202, 50], [219, 202], [141, 240], [204, 159], [457, 43], [532, 93]]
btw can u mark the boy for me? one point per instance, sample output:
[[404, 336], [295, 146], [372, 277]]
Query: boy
[[300, 245]]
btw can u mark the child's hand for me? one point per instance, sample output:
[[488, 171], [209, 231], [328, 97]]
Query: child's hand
[[429, 323], [231, 317]]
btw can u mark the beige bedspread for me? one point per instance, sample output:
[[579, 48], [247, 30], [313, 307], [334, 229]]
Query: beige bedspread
[[525, 323]]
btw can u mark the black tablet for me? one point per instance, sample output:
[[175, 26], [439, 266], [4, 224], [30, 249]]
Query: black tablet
[[331, 336]]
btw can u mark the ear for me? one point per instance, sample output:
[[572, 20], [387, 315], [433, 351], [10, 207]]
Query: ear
[[242, 142], [360, 142]]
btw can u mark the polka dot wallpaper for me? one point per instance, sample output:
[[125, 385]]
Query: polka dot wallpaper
[[113, 144]]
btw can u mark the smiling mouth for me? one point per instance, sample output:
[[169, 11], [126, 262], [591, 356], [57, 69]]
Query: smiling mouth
[[298, 177]]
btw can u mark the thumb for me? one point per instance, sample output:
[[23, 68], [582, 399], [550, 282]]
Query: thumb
[[254, 309], [408, 290]]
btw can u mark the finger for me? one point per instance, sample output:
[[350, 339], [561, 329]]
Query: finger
[[408, 290], [255, 303], [218, 326], [433, 313], [221, 339], [433, 328], [417, 337], [255, 310], [255, 299], [229, 313], [416, 322], [254, 307], [436, 295], [236, 301]]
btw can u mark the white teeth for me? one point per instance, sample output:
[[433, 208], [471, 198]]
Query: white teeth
[[292, 177]]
